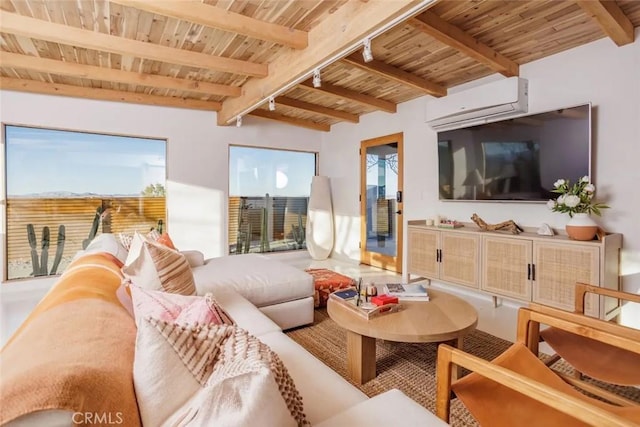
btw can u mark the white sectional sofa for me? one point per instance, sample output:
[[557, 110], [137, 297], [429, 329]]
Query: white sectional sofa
[[329, 400], [80, 332], [282, 292]]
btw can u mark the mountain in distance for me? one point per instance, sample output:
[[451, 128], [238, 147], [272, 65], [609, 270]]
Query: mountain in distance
[[66, 195]]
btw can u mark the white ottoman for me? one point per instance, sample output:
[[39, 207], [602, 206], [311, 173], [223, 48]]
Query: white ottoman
[[282, 292]]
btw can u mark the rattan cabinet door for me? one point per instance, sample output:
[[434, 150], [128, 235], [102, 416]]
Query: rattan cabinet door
[[422, 248], [460, 258], [558, 268], [506, 267]]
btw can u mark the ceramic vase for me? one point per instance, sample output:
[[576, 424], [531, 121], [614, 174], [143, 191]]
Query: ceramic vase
[[319, 232], [581, 227]]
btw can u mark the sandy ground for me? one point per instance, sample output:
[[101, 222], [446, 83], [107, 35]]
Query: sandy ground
[[20, 269]]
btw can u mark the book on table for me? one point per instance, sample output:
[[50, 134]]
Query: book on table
[[349, 298], [411, 291]]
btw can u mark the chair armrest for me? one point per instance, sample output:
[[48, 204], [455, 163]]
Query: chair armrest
[[601, 330], [582, 289], [579, 409]]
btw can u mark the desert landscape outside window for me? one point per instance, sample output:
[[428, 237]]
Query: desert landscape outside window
[[268, 198], [65, 187]]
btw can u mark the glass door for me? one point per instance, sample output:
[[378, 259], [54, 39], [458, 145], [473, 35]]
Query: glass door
[[381, 202]]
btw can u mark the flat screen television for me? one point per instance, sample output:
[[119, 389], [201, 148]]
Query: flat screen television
[[517, 159]]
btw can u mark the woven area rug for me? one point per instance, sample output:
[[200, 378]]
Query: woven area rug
[[405, 366]]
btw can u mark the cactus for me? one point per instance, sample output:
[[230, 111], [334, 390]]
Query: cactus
[[264, 238], [298, 232], [44, 256], [243, 238], [35, 264], [94, 227], [59, 249], [40, 266]]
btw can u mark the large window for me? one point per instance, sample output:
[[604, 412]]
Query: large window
[[63, 188], [268, 198]]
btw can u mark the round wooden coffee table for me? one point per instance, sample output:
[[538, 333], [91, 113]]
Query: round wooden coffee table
[[444, 318]]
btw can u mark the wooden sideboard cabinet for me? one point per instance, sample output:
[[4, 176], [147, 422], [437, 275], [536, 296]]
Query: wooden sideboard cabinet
[[526, 267], [449, 256]]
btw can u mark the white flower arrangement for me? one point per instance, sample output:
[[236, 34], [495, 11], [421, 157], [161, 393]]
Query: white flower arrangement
[[576, 198]]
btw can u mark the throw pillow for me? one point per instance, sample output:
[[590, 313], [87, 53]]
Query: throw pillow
[[166, 240], [154, 266], [180, 309], [195, 258], [125, 239], [189, 372], [153, 235]]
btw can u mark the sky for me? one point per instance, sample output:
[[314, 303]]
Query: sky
[[43, 160], [254, 172]]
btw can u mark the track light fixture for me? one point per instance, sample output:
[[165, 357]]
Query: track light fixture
[[272, 104], [366, 52], [238, 121], [419, 7], [317, 80]]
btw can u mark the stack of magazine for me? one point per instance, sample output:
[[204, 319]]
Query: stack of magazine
[[406, 291]]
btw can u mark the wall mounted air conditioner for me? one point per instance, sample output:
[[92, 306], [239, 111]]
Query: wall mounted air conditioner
[[481, 104]]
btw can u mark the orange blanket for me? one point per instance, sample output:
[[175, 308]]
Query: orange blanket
[[75, 350]]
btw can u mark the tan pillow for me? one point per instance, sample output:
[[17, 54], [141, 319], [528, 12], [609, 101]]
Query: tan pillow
[[152, 265], [190, 371]]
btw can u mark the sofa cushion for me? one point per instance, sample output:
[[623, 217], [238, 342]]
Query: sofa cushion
[[245, 314], [195, 258], [260, 279], [188, 370], [152, 265], [75, 350], [391, 408], [325, 392]]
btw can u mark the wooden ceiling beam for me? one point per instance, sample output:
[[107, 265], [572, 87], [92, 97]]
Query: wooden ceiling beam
[[34, 86], [271, 115], [337, 32], [72, 69], [611, 18], [436, 27], [44, 30], [351, 95], [396, 74], [317, 109], [217, 17]]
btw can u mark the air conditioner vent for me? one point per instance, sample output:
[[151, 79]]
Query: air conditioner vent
[[480, 104]]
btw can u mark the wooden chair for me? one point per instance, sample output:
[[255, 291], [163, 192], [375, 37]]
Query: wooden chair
[[597, 360], [518, 389]]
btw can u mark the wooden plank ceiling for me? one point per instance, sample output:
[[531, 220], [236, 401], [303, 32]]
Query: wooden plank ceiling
[[230, 56]]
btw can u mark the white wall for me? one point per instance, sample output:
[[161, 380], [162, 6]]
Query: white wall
[[197, 152], [197, 161], [599, 72]]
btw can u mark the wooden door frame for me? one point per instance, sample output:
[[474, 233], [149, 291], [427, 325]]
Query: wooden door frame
[[379, 260]]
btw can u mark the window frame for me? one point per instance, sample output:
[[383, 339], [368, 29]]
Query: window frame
[[4, 187], [258, 147]]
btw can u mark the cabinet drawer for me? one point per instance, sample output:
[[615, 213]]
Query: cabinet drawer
[[506, 267]]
